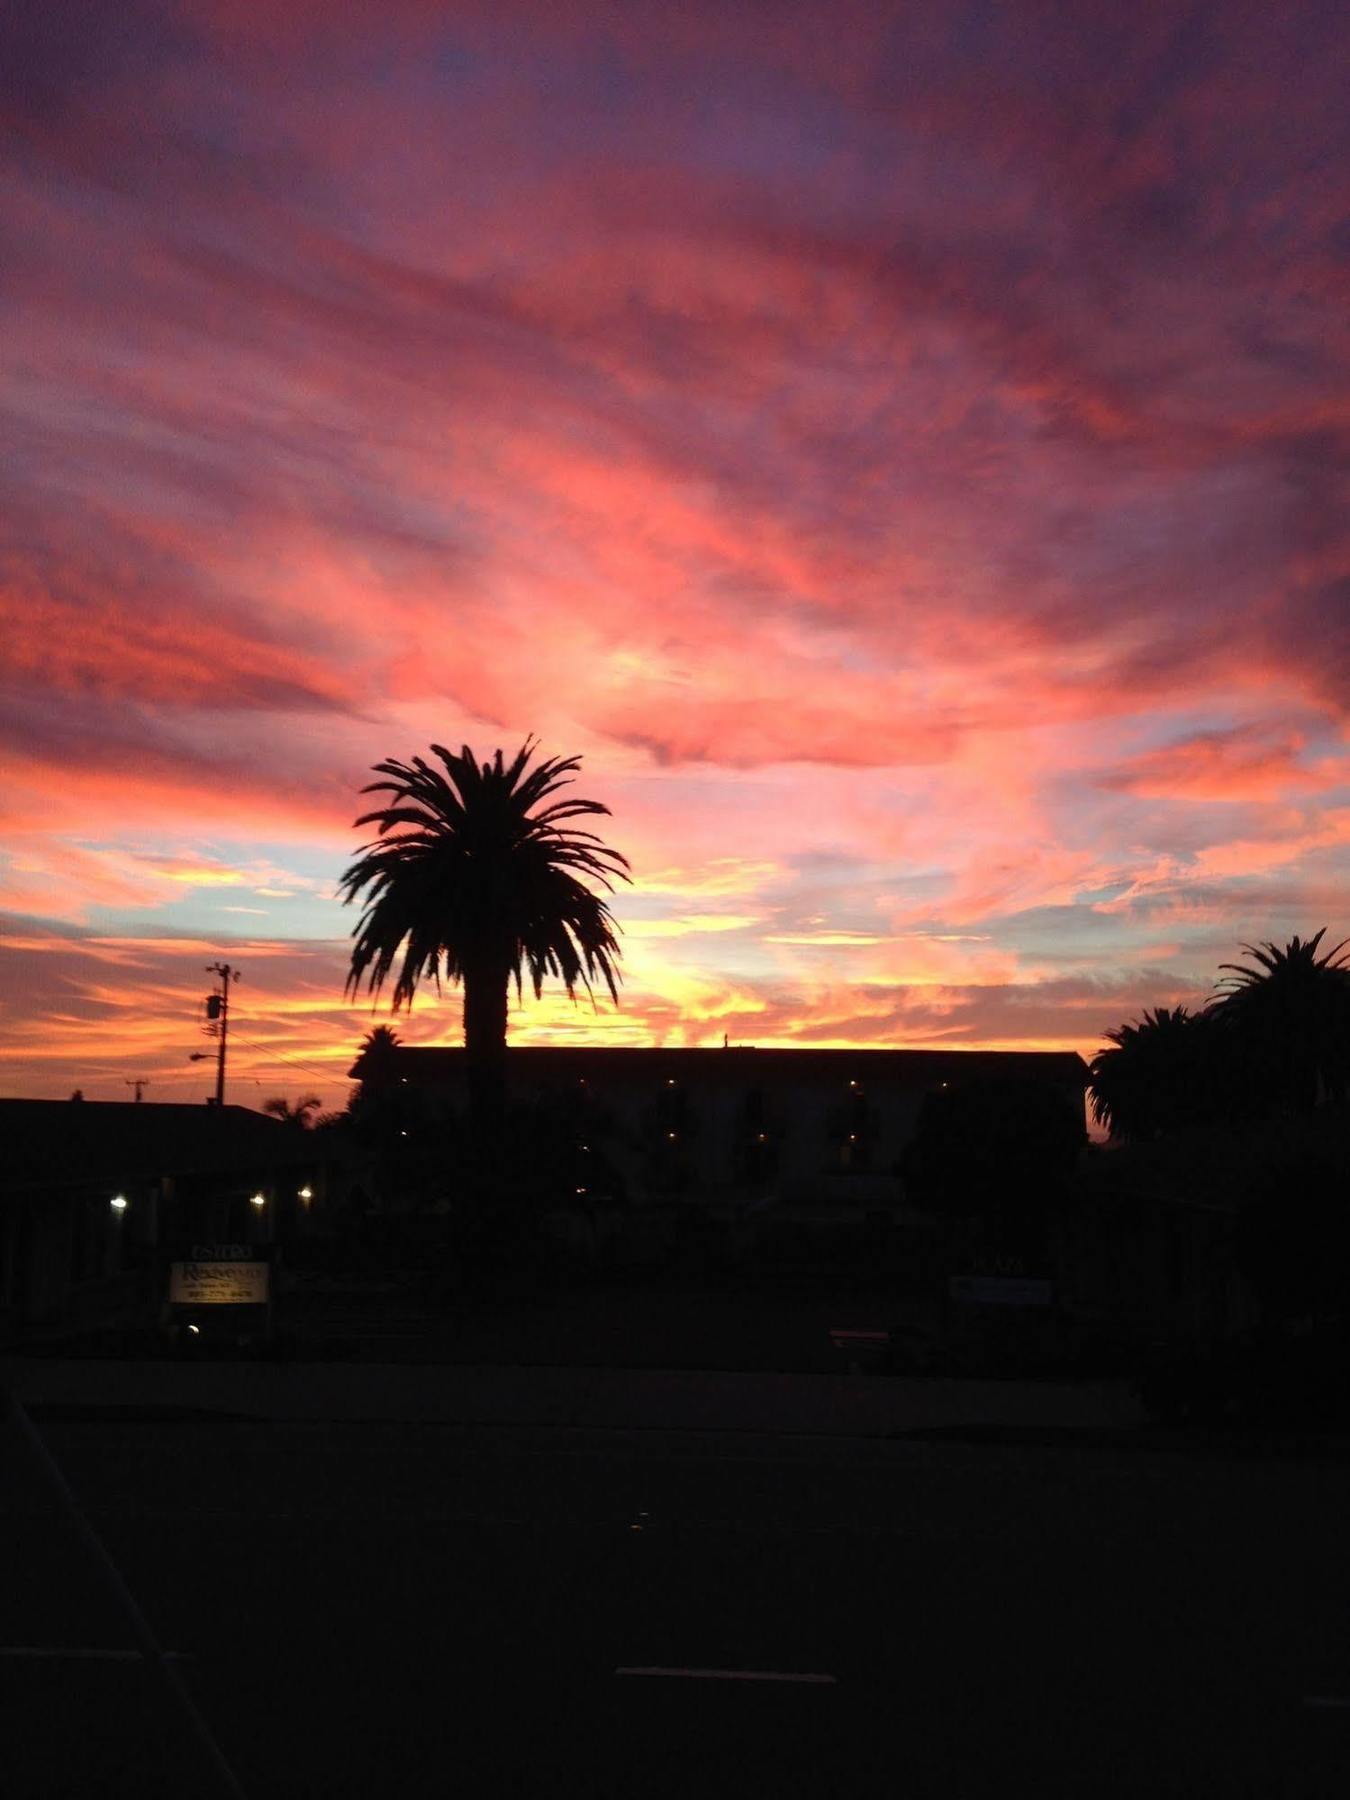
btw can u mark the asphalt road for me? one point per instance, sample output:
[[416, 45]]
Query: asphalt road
[[432, 1610]]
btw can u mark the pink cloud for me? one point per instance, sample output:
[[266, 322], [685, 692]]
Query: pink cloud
[[1242, 764]]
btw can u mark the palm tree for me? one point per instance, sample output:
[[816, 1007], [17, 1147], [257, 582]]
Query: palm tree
[[1288, 1018], [472, 878], [1155, 1076], [301, 1115], [375, 1060]]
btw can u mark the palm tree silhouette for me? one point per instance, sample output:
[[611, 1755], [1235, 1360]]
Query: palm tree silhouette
[[473, 878], [301, 1115], [1288, 1020], [1154, 1077]]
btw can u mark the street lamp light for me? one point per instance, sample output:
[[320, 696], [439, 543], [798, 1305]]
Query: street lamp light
[[258, 1200], [118, 1203]]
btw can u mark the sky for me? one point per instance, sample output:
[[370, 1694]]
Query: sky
[[902, 451]]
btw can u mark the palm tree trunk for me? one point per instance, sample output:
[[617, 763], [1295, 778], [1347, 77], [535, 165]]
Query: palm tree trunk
[[485, 990]]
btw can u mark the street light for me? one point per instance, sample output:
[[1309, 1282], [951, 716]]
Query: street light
[[118, 1203], [258, 1200]]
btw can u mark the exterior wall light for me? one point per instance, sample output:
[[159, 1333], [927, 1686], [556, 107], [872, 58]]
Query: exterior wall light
[[258, 1200], [118, 1203], [306, 1193]]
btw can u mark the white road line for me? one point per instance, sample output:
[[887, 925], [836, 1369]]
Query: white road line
[[1328, 1702], [731, 1675], [64, 1653]]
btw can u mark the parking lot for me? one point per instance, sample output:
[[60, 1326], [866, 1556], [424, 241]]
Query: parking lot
[[397, 1607]]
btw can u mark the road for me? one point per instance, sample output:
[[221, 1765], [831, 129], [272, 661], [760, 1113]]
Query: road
[[369, 1609]]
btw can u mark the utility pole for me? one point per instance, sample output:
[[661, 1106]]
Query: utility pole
[[140, 1082], [218, 1009]]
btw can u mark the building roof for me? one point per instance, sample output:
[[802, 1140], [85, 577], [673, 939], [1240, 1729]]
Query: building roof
[[908, 1068], [74, 1143]]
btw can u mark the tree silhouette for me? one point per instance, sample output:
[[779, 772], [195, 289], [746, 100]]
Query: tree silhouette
[[301, 1115], [472, 878], [1157, 1075], [376, 1060], [1286, 1020]]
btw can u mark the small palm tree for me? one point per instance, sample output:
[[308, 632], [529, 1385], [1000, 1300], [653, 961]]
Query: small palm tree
[[1288, 1018], [1155, 1075], [301, 1115], [473, 878]]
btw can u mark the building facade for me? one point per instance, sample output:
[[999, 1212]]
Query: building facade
[[662, 1122]]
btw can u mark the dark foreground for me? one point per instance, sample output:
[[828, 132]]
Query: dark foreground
[[401, 1609]]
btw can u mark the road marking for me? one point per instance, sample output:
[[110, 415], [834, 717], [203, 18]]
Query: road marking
[[66, 1652], [1338, 1702], [731, 1675]]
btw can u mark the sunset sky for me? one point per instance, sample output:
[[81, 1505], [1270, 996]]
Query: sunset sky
[[905, 453]]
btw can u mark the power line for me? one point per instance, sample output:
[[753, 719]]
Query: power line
[[281, 1056]]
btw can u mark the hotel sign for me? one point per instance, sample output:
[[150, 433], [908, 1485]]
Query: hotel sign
[[995, 1290], [220, 1275]]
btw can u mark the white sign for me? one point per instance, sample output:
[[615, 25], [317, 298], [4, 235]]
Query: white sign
[[218, 1284], [999, 1290]]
